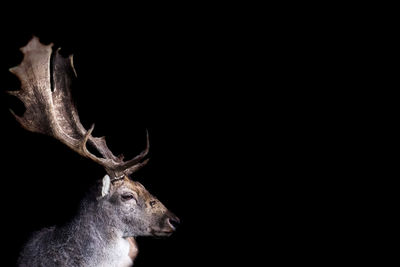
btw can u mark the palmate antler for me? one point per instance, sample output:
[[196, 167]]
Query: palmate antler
[[52, 112]]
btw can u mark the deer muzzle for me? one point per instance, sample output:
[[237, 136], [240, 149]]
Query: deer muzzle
[[167, 225]]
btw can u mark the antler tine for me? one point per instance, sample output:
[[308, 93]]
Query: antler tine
[[136, 167], [82, 148], [136, 160], [54, 113]]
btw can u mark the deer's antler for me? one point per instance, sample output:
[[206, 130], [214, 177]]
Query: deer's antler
[[52, 112]]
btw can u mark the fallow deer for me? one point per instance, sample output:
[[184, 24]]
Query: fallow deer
[[119, 209]]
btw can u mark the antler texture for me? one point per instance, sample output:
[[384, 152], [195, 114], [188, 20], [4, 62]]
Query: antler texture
[[51, 111]]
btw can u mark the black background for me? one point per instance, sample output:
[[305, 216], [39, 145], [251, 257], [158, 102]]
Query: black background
[[184, 73], [253, 143]]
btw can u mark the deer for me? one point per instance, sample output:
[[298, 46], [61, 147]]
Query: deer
[[117, 209]]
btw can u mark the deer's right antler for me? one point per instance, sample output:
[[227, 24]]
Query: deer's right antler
[[53, 112]]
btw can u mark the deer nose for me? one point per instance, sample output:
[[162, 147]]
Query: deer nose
[[173, 221]]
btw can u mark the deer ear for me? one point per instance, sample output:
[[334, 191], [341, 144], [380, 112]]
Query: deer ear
[[106, 185]]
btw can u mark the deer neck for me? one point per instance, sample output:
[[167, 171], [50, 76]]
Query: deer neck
[[103, 237]]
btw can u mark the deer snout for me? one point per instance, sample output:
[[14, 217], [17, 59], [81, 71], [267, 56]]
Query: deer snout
[[166, 225], [172, 220]]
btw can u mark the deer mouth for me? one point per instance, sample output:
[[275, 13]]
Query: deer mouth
[[162, 232]]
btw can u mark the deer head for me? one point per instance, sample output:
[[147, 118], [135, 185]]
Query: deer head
[[51, 111], [139, 212]]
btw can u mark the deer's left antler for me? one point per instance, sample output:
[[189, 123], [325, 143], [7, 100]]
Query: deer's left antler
[[52, 112]]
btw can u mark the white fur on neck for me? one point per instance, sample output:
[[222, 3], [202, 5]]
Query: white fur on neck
[[123, 246], [118, 255]]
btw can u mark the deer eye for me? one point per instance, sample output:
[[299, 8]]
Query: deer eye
[[127, 197], [152, 203]]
